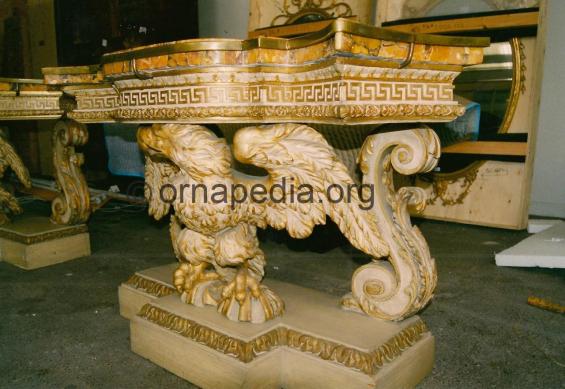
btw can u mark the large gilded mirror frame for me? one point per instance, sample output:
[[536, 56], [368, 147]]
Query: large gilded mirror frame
[[484, 175], [391, 10], [467, 175], [489, 187]]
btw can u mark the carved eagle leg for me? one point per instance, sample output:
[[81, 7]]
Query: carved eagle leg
[[195, 278], [72, 205], [244, 298], [401, 286], [195, 282]]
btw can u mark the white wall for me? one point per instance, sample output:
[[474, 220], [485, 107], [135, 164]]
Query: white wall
[[548, 193], [223, 18]]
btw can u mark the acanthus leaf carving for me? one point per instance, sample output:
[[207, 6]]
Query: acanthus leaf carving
[[72, 205], [401, 286]]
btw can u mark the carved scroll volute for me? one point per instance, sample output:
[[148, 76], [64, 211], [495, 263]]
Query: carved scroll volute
[[72, 205], [401, 286]]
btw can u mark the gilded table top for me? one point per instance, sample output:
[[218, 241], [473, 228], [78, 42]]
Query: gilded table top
[[343, 38], [348, 73], [22, 99]]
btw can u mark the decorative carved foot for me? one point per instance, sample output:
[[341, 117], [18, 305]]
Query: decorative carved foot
[[243, 297], [401, 286], [196, 284], [195, 279], [9, 158], [72, 205], [246, 299]]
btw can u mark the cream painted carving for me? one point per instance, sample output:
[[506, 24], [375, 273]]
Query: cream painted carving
[[94, 105], [72, 205], [30, 106], [401, 286], [341, 93], [9, 158], [216, 244]]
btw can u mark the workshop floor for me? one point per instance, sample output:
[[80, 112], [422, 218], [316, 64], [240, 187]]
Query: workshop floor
[[60, 327]]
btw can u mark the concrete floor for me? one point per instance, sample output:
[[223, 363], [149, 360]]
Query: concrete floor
[[60, 327]]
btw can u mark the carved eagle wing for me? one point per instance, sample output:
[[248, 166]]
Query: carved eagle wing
[[157, 174], [303, 172], [9, 158]]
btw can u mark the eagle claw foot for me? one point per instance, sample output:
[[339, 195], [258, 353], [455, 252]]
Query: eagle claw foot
[[196, 285], [245, 299]]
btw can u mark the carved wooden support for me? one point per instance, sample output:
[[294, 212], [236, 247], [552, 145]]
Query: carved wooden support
[[401, 286], [72, 205], [9, 158], [221, 263]]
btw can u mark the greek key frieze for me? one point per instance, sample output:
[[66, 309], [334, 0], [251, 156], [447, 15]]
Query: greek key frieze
[[320, 92], [30, 103]]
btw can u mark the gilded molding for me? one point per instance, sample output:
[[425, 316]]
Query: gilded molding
[[92, 116], [366, 362], [518, 83], [330, 114], [43, 237], [96, 104], [30, 106], [466, 177], [339, 93], [30, 115], [149, 286]]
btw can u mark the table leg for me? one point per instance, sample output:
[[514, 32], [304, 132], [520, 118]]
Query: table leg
[[399, 287], [34, 241], [72, 205]]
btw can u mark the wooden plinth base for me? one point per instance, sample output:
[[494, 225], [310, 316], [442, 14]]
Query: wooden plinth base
[[315, 344], [31, 242]]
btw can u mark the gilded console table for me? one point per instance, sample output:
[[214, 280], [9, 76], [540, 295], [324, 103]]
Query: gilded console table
[[346, 75], [31, 241]]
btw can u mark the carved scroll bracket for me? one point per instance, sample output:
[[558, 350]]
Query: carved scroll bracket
[[401, 286], [72, 205]]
